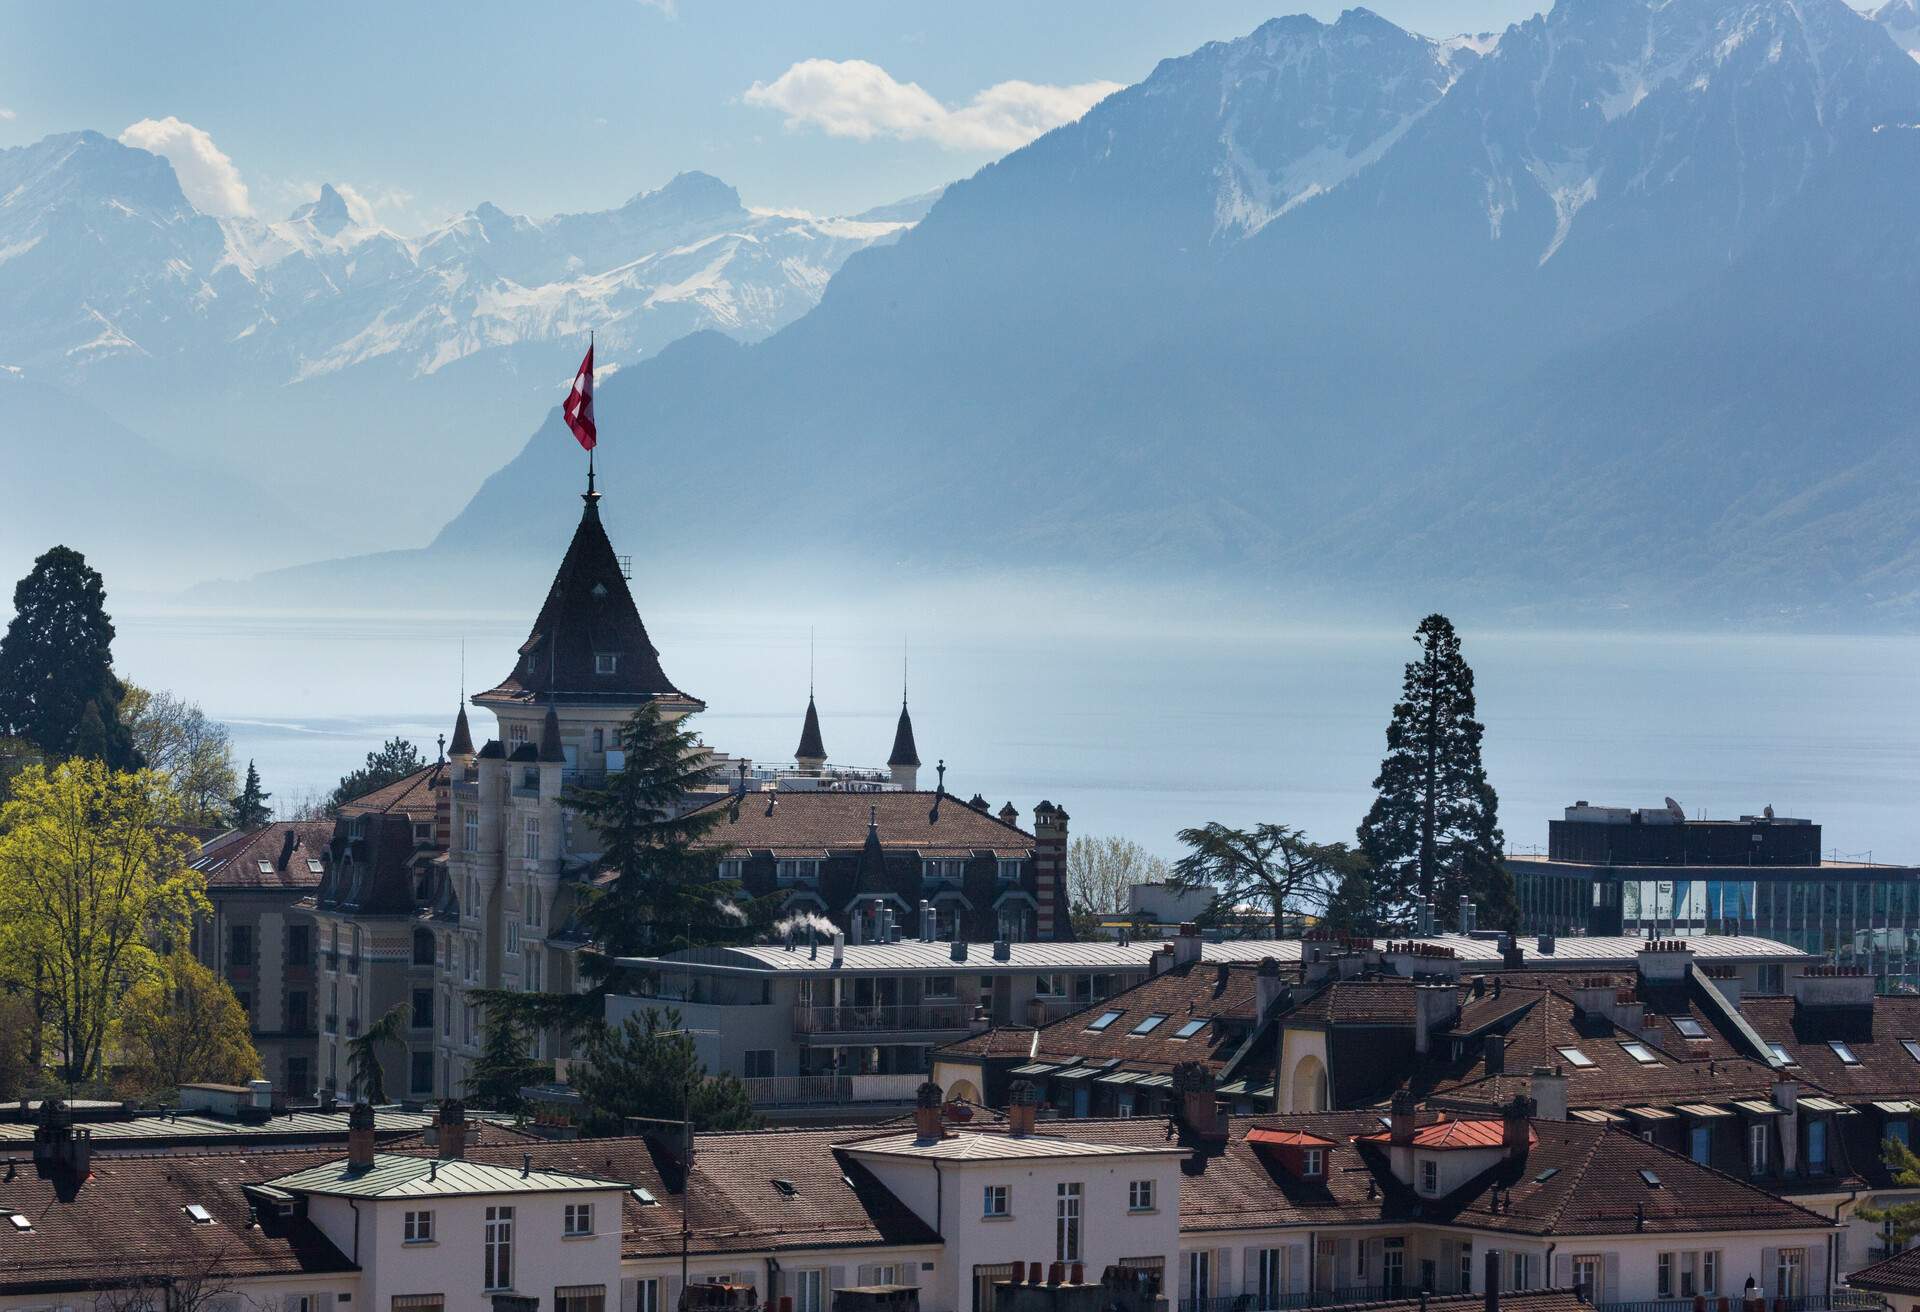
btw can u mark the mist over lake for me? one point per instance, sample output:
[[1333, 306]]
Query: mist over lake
[[1137, 717]]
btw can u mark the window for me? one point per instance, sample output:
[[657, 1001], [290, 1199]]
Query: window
[[419, 1228], [1522, 1273], [1466, 1269], [1843, 1052], [1586, 1275], [1009, 870], [532, 832], [797, 871], [1103, 1020], [1575, 1057], [1700, 1144], [446, 1017], [1429, 1177], [1689, 1028], [1199, 1275], [1817, 1145], [245, 998], [1896, 1131], [944, 870], [240, 948], [1140, 1196], [599, 740], [1640, 1052], [732, 870], [1190, 1028], [469, 829], [758, 1063], [535, 908], [1393, 1263], [1790, 1273], [1066, 1223], [606, 662], [299, 945], [496, 1267], [1756, 1149], [297, 1020], [1313, 1163], [513, 938], [517, 733], [578, 1220], [1663, 1281], [1270, 1279], [420, 1072], [1781, 1055], [993, 1200], [1149, 1024], [423, 1009], [580, 1298], [1049, 985], [938, 986], [808, 1287]]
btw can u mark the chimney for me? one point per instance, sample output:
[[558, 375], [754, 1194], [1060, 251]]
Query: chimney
[[1050, 871], [360, 1137], [1512, 956], [1544, 945], [1832, 986], [1664, 961], [1158, 961], [452, 1121], [1496, 1054], [1466, 915], [1199, 1110], [1423, 918], [60, 1152], [260, 1093], [1269, 989], [1023, 1106], [1434, 1005], [840, 944], [959, 950], [1492, 1279], [1549, 1091], [1186, 944], [1002, 950], [929, 923], [927, 1121], [1400, 1119], [1515, 1128], [288, 842]]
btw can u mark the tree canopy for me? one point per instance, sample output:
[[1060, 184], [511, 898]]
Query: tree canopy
[[502, 1069], [175, 737], [1271, 866], [643, 1068], [250, 808], [93, 873], [57, 688], [180, 1025], [364, 1072], [1902, 1219], [1100, 870], [1433, 831], [396, 759]]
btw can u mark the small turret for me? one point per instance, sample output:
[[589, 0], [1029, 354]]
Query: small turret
[[461, 748], [905, 759], [811, 755], [551, 752]]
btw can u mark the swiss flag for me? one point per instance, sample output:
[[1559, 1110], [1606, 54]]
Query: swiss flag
[[577, 410]]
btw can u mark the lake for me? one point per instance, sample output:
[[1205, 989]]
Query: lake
[[1138, 726]]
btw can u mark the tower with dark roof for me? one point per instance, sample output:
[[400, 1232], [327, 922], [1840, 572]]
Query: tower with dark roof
[[811, 754], [905, 759]]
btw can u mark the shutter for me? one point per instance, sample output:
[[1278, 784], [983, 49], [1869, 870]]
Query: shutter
[[836, 1279], [1562, 1270], [1250, 1273], [1610, 1281], [1222, 1273], [866, 1275], [629, 1294], [1769, 1260], [910, 1271], [1296, 1269], [670, 1286], [1816, 1268]]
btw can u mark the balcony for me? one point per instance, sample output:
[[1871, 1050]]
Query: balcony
[[830, 1090], [931, 1016]]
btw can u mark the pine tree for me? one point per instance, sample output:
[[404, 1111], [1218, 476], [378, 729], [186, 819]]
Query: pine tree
[[1900, 1219], [1434, 830], [364, 1072], [57, 688], [503, 1068], [644, 1068], [665, 893], [250, 808]]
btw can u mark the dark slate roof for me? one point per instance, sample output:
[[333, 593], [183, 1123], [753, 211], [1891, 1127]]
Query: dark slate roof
[[1899, 1274], [1883, 1068], [589, 611], [413, 796], [810, 748], [462, 744], [803, 824], [233, 861], [904, 751]]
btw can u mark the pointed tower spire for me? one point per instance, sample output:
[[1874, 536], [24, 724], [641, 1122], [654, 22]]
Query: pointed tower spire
[[811, 754], [462, 744]]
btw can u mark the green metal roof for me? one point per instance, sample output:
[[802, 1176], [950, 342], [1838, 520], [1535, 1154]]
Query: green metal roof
[[393, 1175]]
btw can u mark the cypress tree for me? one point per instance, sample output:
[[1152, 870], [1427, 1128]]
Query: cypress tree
[[250, 808], [1434, 829], [57, 688]]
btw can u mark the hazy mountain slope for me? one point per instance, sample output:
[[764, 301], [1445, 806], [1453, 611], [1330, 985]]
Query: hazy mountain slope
[[340, 344]]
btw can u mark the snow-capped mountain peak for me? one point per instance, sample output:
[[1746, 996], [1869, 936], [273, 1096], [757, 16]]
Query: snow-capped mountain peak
[[327, 214]]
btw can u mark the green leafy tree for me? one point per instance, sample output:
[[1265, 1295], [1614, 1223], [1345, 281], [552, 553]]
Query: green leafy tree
[[364, 1071], [1351, 909], [666, 892], [175, 737], [645, 1068], [250, 808], [1272, 866], [57, 688], [503, 1068], [1902, 1220], [396, 759], [1434, 830], [181, 1025]]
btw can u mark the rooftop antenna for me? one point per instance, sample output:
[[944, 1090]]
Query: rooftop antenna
[[809, 662], [903, 670]]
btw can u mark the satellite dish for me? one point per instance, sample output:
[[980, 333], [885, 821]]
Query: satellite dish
[[1675, 808]]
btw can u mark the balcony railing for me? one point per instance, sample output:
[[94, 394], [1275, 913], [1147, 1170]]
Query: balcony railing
[[798, 1090], [869, 1020], [1840, 1300]]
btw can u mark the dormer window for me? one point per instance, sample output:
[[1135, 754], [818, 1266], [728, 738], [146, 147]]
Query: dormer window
[[1313, 1163], [797, 871], [1429, 1177], [606, 662], [1009, 870], [531, 658], [949, 870]]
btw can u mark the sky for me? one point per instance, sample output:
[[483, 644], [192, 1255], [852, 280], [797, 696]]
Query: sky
[[421, 111]]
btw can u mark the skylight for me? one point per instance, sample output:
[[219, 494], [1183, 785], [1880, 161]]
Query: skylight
[[1781, 1055], [266, 866], [1546, 1175], [314, 867], [785, 1187], [644, 1197], [1653, 1181], [1843, 1052], [1689, 1028], [21, 1222], [1149, 1024], [1575, 1057], [1104, 1019], [1190, 1029], [1913, 1048], [198, 1214], [1640, 1052]]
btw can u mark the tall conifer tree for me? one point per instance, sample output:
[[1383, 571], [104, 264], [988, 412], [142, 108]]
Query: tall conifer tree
[[250, 807], [57, 688], [1434, 828]]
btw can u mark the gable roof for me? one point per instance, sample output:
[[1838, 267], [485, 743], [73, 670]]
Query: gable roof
[[813, 824], [1899, 1274], [236, 860], [589, 611], [411, 795]]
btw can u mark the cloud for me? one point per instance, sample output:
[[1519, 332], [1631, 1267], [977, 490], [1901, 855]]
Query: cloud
[[668, 7], [208, 178], [6, 115], [853, 98]]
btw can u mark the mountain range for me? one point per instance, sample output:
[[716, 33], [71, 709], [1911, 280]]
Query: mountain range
[[391, 370], [1606, 317]]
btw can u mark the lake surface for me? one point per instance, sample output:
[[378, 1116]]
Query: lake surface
[[1138, 727]]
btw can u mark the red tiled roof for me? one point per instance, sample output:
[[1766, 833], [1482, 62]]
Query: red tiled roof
[[1448, 1136], [233, 861], [812, 824], [411, 796], [1288, 1138]]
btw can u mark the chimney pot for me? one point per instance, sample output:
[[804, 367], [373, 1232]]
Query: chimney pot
[[1493, 1280]]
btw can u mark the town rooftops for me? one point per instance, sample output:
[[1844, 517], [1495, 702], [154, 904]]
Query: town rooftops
[[412, 795], [813, 824], [1451, 1136], [1899, 1274], [398, 1175], [995, 1145], [291, 854]]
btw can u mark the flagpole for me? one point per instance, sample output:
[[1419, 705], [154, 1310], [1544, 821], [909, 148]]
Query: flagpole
[[590, 449]]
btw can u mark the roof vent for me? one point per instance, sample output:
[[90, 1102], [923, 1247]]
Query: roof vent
[[785, 1187]]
